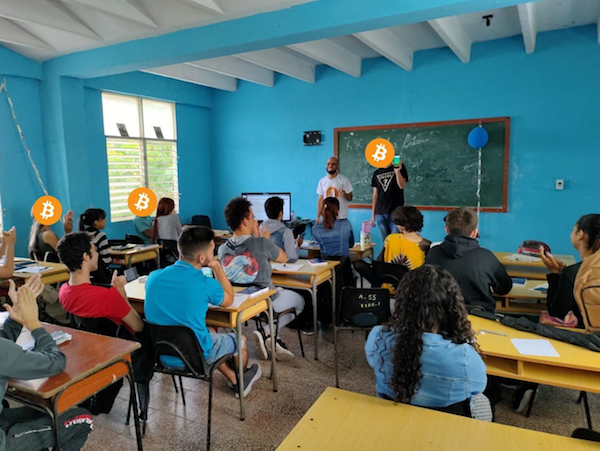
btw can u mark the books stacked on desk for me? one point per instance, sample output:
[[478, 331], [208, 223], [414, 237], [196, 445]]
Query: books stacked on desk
[[59, 337], [248, 292]]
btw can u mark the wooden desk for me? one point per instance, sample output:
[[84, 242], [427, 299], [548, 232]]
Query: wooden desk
[[230, 317], [530, 270], [138, 254], [357, 252], [577, 368], [341, 420], [308, 278], [56, 273], [527, 300], [93, 363], [221, 236]]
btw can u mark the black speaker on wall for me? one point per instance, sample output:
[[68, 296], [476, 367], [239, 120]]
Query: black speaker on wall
[[312, 138]]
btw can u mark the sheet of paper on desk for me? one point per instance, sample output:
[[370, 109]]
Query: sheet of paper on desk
[[522, 258], [542, 287], [308, 244], [539, 348], [285, 267], [32, 270], [238, 299], [27, 342]]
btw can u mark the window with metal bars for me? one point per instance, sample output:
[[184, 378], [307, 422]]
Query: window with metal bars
[[141, 149]]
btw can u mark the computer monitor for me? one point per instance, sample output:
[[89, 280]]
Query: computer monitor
[[258, 204]]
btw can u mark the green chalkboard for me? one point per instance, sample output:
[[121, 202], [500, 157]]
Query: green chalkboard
[[442, 167]]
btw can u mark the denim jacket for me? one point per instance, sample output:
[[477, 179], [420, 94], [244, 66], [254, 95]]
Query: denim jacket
[[450, 372], [334, 242]]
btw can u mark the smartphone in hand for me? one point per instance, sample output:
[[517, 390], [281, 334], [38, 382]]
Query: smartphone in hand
[[396, 161]]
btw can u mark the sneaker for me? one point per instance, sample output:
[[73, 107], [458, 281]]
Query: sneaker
[[251, 375], [524, 403], [261, 349], [282, 353]]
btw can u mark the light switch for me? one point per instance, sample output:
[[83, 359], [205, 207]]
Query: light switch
[[559, 184]]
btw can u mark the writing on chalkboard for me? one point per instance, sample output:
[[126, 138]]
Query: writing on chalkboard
[[442, 167]]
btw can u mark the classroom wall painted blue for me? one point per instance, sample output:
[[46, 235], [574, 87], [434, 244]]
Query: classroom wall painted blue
[[550, 95]]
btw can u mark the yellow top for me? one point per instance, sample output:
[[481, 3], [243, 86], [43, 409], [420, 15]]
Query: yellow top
[[400, 251]]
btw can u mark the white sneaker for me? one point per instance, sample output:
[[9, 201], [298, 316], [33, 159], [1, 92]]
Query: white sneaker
[[261, 349], [524, 404], [281, 352]]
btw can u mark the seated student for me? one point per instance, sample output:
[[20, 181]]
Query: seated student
[[476, 269], [24, 428], [427, 355], [92, 221], [7, 251], [185, 282], [406, 248], [166, 226], [43, 240], [281, 235], [246, 258], [562, 307], [334, 235], [143, 228]]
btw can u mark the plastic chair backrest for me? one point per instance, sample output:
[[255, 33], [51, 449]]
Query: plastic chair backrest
[[44, 257], [202, 220], [102, 326], [181, 342], [388, 273], [169, 252], [133, 239], [365, 307]]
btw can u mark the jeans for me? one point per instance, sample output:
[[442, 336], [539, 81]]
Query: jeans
[[385, 224]]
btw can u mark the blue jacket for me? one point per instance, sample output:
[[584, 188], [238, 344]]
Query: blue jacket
[[450, 372], [334, 242]]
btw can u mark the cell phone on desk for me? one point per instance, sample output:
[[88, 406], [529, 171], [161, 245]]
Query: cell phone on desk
[[396, 160], [131, 274]]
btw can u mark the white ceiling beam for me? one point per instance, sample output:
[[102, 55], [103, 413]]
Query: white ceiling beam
[[195, 75], [280, 61], [331, 54], [388, 45], [455, 37], [42, 12], [529, 28], [211, 6], [237, 68], [121, 9], [12, 34]]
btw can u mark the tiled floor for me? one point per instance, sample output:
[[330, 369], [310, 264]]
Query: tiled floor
[[270, 416]]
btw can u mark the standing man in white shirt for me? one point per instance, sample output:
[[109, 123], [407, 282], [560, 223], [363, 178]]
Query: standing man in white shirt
[[335, 185]]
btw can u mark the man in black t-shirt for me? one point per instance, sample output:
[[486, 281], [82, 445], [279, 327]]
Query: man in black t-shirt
[[388, 193]]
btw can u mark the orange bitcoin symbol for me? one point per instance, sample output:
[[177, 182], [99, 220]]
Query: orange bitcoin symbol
[[47, 210], [379, 153], [142, 202]]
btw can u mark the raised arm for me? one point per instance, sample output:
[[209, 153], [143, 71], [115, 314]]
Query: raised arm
[[10, 238], [131, 319], [221, 277]]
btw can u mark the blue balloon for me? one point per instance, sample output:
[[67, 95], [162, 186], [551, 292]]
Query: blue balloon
[[478, 137]]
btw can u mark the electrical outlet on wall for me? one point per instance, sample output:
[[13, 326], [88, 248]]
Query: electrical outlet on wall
[[559, 184]]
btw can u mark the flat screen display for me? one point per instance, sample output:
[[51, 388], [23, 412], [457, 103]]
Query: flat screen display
[[258, 204]]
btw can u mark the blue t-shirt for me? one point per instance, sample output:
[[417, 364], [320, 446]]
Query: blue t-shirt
[[335, 242], [179, 296]]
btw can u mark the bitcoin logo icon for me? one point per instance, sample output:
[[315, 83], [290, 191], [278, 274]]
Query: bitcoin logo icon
[[379, 153], [142, 202], [47, 210]]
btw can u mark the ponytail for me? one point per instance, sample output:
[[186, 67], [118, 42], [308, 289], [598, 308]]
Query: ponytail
[[331, 207], [87, 219]]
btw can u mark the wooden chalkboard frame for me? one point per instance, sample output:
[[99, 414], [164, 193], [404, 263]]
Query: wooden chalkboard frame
[[506, 121]]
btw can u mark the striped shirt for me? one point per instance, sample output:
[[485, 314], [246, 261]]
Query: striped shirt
[[101, 242]]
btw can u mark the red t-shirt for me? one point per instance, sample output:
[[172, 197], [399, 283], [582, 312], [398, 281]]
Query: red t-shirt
[[93, 301]]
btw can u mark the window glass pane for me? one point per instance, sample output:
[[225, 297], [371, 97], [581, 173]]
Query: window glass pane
[[122, 110], [125, 173], [162, 169], [159, 119]]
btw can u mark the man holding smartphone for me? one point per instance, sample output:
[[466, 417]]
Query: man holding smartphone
[[388, 193]]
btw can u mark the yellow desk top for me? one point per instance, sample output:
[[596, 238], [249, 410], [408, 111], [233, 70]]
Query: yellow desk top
[[525, 291], [134, 250], [537, 263], [54, 268], [341, 420], [307, 269], [356, 248], [570, 356]]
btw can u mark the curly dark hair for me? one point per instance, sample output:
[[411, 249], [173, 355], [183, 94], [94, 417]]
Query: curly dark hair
[[236, 211], [428, 300], [72, 247], [408, 217]]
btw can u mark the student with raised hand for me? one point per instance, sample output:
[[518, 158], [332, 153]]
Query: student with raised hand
[[281, 235], [167, 225], [7, 251], [476, 270], [406, 247], [185, 282], [24, 428], [42, 239], [562, 306], [246, 258], [427, 355], [334, 235]]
